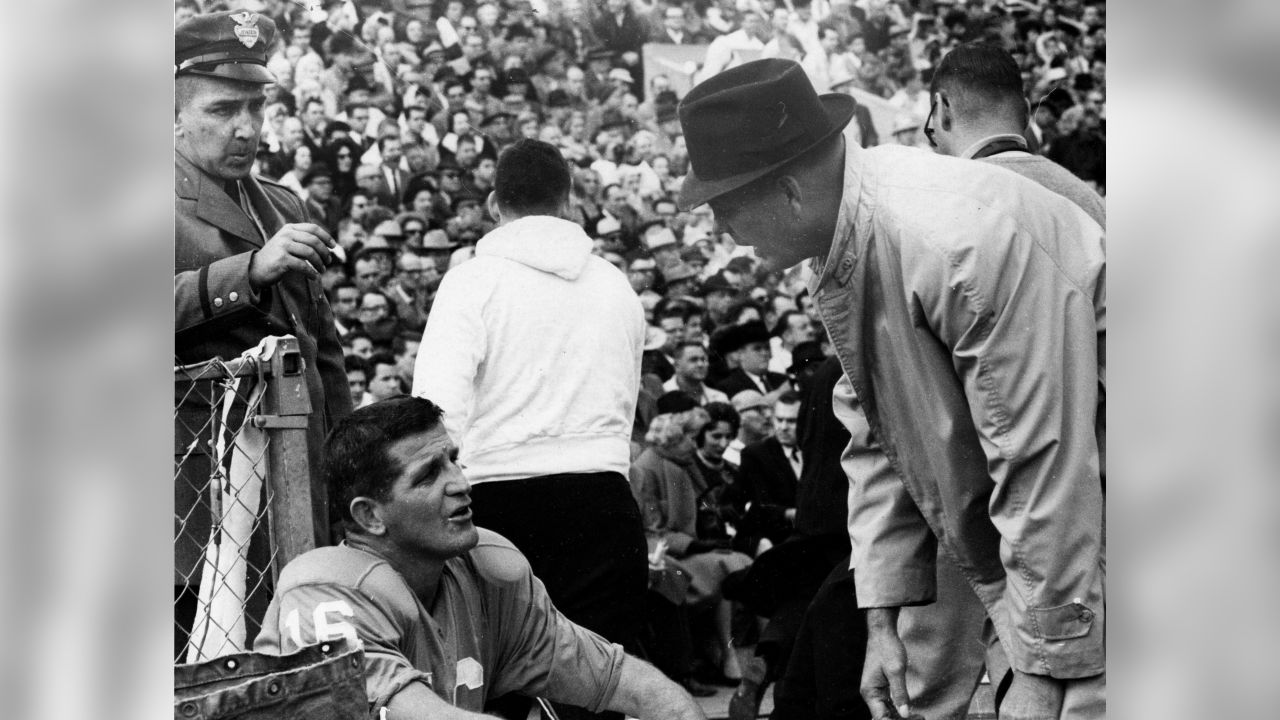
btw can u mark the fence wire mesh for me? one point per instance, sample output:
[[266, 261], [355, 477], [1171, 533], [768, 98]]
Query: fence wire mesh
[[223, 552]]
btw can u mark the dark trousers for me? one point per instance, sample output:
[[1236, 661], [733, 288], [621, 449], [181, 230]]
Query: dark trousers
[[825, 668], [584, 538]]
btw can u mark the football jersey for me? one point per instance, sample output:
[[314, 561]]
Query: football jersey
[[491, 628]]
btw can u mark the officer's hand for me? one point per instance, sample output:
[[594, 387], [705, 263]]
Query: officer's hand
[[884, 674], [1032, 697], [297, 247]]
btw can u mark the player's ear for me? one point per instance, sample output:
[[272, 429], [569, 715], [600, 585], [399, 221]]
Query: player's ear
[[368, 515]]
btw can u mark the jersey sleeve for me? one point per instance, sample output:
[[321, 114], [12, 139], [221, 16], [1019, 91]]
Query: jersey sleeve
[[310, 614], [543, 653]]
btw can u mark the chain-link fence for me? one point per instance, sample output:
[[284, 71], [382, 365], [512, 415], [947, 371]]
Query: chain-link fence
[[242, 502]]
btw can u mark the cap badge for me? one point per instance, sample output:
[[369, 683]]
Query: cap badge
[[246, 28]]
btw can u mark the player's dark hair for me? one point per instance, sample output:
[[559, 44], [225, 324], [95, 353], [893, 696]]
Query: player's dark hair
[[532, 178], [718, 412], [356, 463]]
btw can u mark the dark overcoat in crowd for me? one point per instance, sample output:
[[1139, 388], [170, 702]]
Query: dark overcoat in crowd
[[217, 314]]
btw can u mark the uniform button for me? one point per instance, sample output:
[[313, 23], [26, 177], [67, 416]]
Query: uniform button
[[231, 664], [234, 296], [324, 648], [189, 709], [273, 688], [1086, 616], [217, 302]]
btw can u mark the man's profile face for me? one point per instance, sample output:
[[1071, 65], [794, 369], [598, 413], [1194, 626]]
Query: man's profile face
[[405, 361], [760, 216], [391, 151], [428, 509], [784, 422], [217, 125], [362, 347]]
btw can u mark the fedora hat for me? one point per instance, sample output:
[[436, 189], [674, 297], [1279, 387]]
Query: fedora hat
[[746, 121]]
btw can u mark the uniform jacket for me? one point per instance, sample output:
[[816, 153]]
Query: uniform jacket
[[218, 314], [967, 306]]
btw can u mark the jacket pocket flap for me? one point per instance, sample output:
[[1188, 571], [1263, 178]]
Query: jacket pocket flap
[[1063, 622]]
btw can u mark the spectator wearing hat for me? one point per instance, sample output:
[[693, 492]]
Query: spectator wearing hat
[[690, 364], [623, 32], [596, 83], [756, 414], [323, 205], [719, 294], [247, 258], [680, 279], [749, 342], [542, 396], [906, 131], [991, 436]]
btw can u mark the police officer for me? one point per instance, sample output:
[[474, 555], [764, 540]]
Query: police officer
[[248, 257]]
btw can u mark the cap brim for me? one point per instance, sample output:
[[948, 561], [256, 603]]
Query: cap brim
[[240, 72], [696, 191]]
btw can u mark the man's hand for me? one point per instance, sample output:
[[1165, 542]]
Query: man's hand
[[884, 674], [1032, 697], [297, 247]]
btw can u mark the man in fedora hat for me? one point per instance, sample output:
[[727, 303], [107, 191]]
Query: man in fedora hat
[[967, 306], [248, 257]]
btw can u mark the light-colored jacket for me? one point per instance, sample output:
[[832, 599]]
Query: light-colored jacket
[[533, 349], [968, 308]]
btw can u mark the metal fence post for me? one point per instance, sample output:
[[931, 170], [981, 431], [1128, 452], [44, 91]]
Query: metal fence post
[[298, 519]]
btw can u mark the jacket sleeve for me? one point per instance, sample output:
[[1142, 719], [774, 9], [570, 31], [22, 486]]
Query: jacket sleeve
[[209, 292], [892, 548], [453, 346], [1022, 320]]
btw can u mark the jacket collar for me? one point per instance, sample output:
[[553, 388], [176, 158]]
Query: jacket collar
[[215, 207], [849, 241]]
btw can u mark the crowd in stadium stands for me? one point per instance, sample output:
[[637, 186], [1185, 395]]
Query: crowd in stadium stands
[[389, 116]]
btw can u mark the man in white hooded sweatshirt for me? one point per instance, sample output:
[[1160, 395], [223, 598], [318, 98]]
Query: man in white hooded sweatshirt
[[532, 349]]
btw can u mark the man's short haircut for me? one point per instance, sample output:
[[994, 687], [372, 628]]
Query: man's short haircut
[[736, 310], [719, 412], [382, 141], [788, 397], [981, 80], [680, 348], [532, 178], [381, 358], [355, 363], [341, 43], [350, 338], [401, 341], [356, 462]]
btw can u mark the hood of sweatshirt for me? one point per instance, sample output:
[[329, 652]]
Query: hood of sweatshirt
[[542, 242]]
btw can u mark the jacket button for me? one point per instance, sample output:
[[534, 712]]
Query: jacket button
[[1086, 616], [189, 709], [273, 688], [217, 302], [233, 296]]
